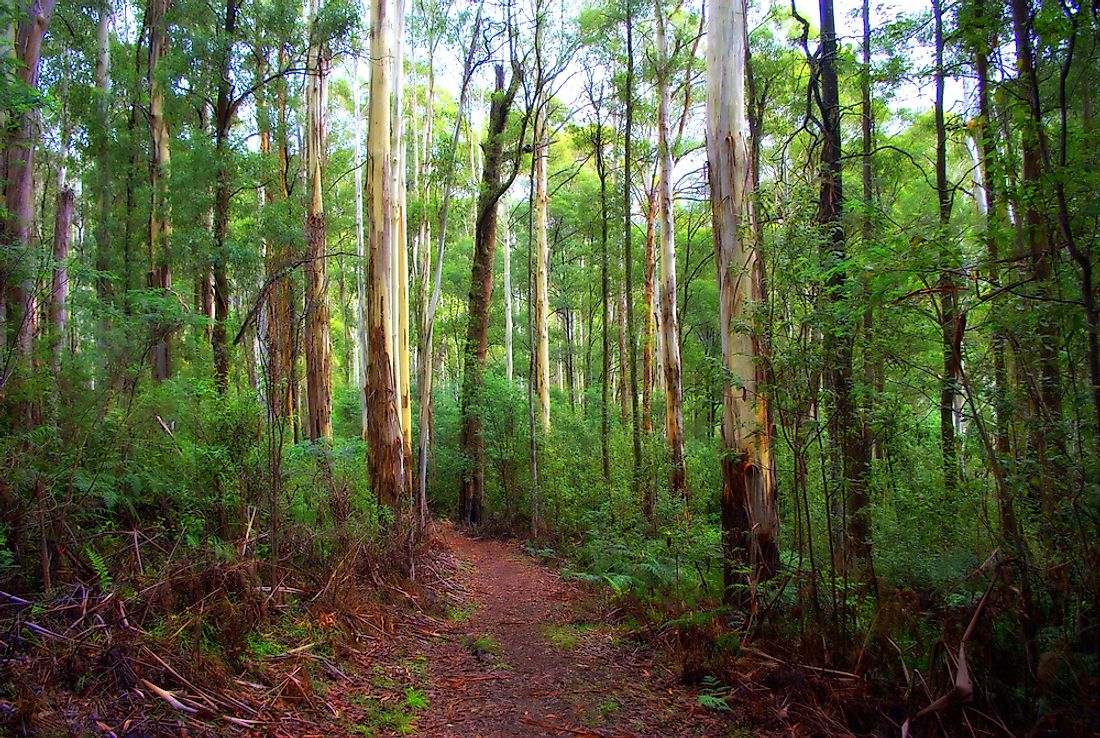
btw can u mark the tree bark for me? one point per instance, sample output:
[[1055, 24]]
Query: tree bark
[[605, 307], [387, 448], [59, 288], [100, 138], [649, 326], [318, 341], [674, 400], [400, 252], [542, 299], [160, 210], [628, 263], [749, 514], [951, 326], [1044, 429], [472, 492], [506, 240], [845, 432], [360, 251], [223, 121]]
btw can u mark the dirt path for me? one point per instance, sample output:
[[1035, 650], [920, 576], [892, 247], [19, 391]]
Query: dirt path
[[521, 656]]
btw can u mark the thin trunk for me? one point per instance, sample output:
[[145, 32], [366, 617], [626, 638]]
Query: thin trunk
[[624, 371], [400, 252], [427, 328], [950, 320], [223, 121], [59, 291], [542, 299], [318, 348], [101, 147], [674, 400], [649, 326], [160, 211], [845, 433], [605, 309], [506, 240], [360, 252], [628, 262], [1046, 438]]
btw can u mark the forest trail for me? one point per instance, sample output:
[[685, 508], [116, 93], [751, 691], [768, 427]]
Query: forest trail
[[525, 655]]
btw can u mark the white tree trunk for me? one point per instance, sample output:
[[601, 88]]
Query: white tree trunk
[[506, 239], [748, 497], [542, 299], [670, 329], [386, 457], [400, 229], [361, 269]]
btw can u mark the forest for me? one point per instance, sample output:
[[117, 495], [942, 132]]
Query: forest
[[549, 368]]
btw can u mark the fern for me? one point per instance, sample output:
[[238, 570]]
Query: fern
[[713, 702], [103, 575]]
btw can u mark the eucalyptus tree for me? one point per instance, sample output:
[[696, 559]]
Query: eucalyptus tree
[[749, 512], [674, 399], [159, 244], [386, 457]]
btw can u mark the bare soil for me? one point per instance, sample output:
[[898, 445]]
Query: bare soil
[[521, 652]]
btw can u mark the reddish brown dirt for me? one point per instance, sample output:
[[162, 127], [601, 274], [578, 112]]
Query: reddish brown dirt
[[557, 670]]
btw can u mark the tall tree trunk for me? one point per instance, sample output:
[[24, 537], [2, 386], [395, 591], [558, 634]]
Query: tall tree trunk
[[1045, 434], [281, 302], [58, 309], [649, 326], [317, 338], [749, 514], [845, 431], [628, 263], [674, 401], [870, 368], [223, 121], [506, 240], [605, 308], [17, 286], [59, 289], [360, 251], [400, 252], [472, 493], [427, 327], [624, 369], [387, 448], [101, 152], [996, 222], [160, 210], [542, 299], [950, 320]]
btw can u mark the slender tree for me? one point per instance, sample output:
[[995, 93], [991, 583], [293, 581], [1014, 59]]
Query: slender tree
[[317, 330], [628, 260], [542, 263], [427, 328], [160, 209], [224, 110], [674, 399]]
